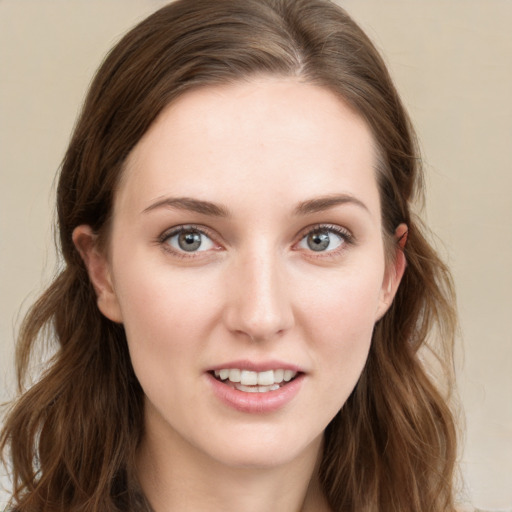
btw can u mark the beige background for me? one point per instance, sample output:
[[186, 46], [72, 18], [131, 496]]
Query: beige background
[[452, 61]]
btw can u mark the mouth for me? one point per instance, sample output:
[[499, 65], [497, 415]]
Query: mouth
[[255, 382]]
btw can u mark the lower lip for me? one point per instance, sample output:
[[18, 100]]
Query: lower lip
[[256, 403]]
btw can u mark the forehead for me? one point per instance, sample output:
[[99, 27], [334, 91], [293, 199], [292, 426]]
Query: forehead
[[267, 136]]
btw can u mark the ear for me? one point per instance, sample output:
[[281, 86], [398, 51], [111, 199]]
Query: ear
[[98, 268], [394, 271]]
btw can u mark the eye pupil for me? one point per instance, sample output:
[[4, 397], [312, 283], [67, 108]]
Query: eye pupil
[[189, 241], [318, 241]]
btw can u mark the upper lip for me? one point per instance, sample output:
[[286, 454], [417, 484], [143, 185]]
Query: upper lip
[[256, 366]]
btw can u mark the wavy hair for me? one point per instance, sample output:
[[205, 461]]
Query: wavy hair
[[71, 438]]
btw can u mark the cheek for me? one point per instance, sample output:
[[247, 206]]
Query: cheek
[[168, 317], [344, 303], [166, 313], [340, 318]]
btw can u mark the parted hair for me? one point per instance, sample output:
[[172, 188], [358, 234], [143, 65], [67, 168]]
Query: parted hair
[[70, 439]]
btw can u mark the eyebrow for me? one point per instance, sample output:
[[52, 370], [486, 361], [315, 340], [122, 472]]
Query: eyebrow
[[190, 204], [310, 206], [320, 204]]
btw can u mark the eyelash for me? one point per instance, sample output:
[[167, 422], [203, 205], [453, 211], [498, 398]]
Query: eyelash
[[345, 235], [164, 238]]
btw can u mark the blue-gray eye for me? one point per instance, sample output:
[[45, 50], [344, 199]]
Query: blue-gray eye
[[322, 240], [190, 240]]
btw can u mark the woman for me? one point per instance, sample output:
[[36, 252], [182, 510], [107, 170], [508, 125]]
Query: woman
[[246, 297]]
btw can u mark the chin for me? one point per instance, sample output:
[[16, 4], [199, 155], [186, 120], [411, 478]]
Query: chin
[[261, 451]]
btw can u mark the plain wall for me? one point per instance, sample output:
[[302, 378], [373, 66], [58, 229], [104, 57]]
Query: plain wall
[[452, 62]]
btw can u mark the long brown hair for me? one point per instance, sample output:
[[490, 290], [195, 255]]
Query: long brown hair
[[71, 438]]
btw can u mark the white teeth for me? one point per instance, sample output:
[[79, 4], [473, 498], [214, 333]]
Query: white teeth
[[257, 389], [248, 378], [267, 379], [247, 389], [278, 376], [235, 375], [288, 375]]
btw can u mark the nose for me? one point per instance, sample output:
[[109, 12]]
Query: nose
[[258, 305]]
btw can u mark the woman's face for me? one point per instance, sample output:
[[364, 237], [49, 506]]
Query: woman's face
[[246, 246]]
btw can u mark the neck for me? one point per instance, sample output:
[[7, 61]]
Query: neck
[[175, 476]]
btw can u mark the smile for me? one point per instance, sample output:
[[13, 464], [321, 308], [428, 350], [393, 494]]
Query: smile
[[255, 382]]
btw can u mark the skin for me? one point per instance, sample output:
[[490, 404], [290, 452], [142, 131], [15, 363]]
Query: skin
[[263, 151]]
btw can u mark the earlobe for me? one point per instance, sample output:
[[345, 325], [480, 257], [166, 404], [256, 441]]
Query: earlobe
[[98, 268], [394, 272]]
